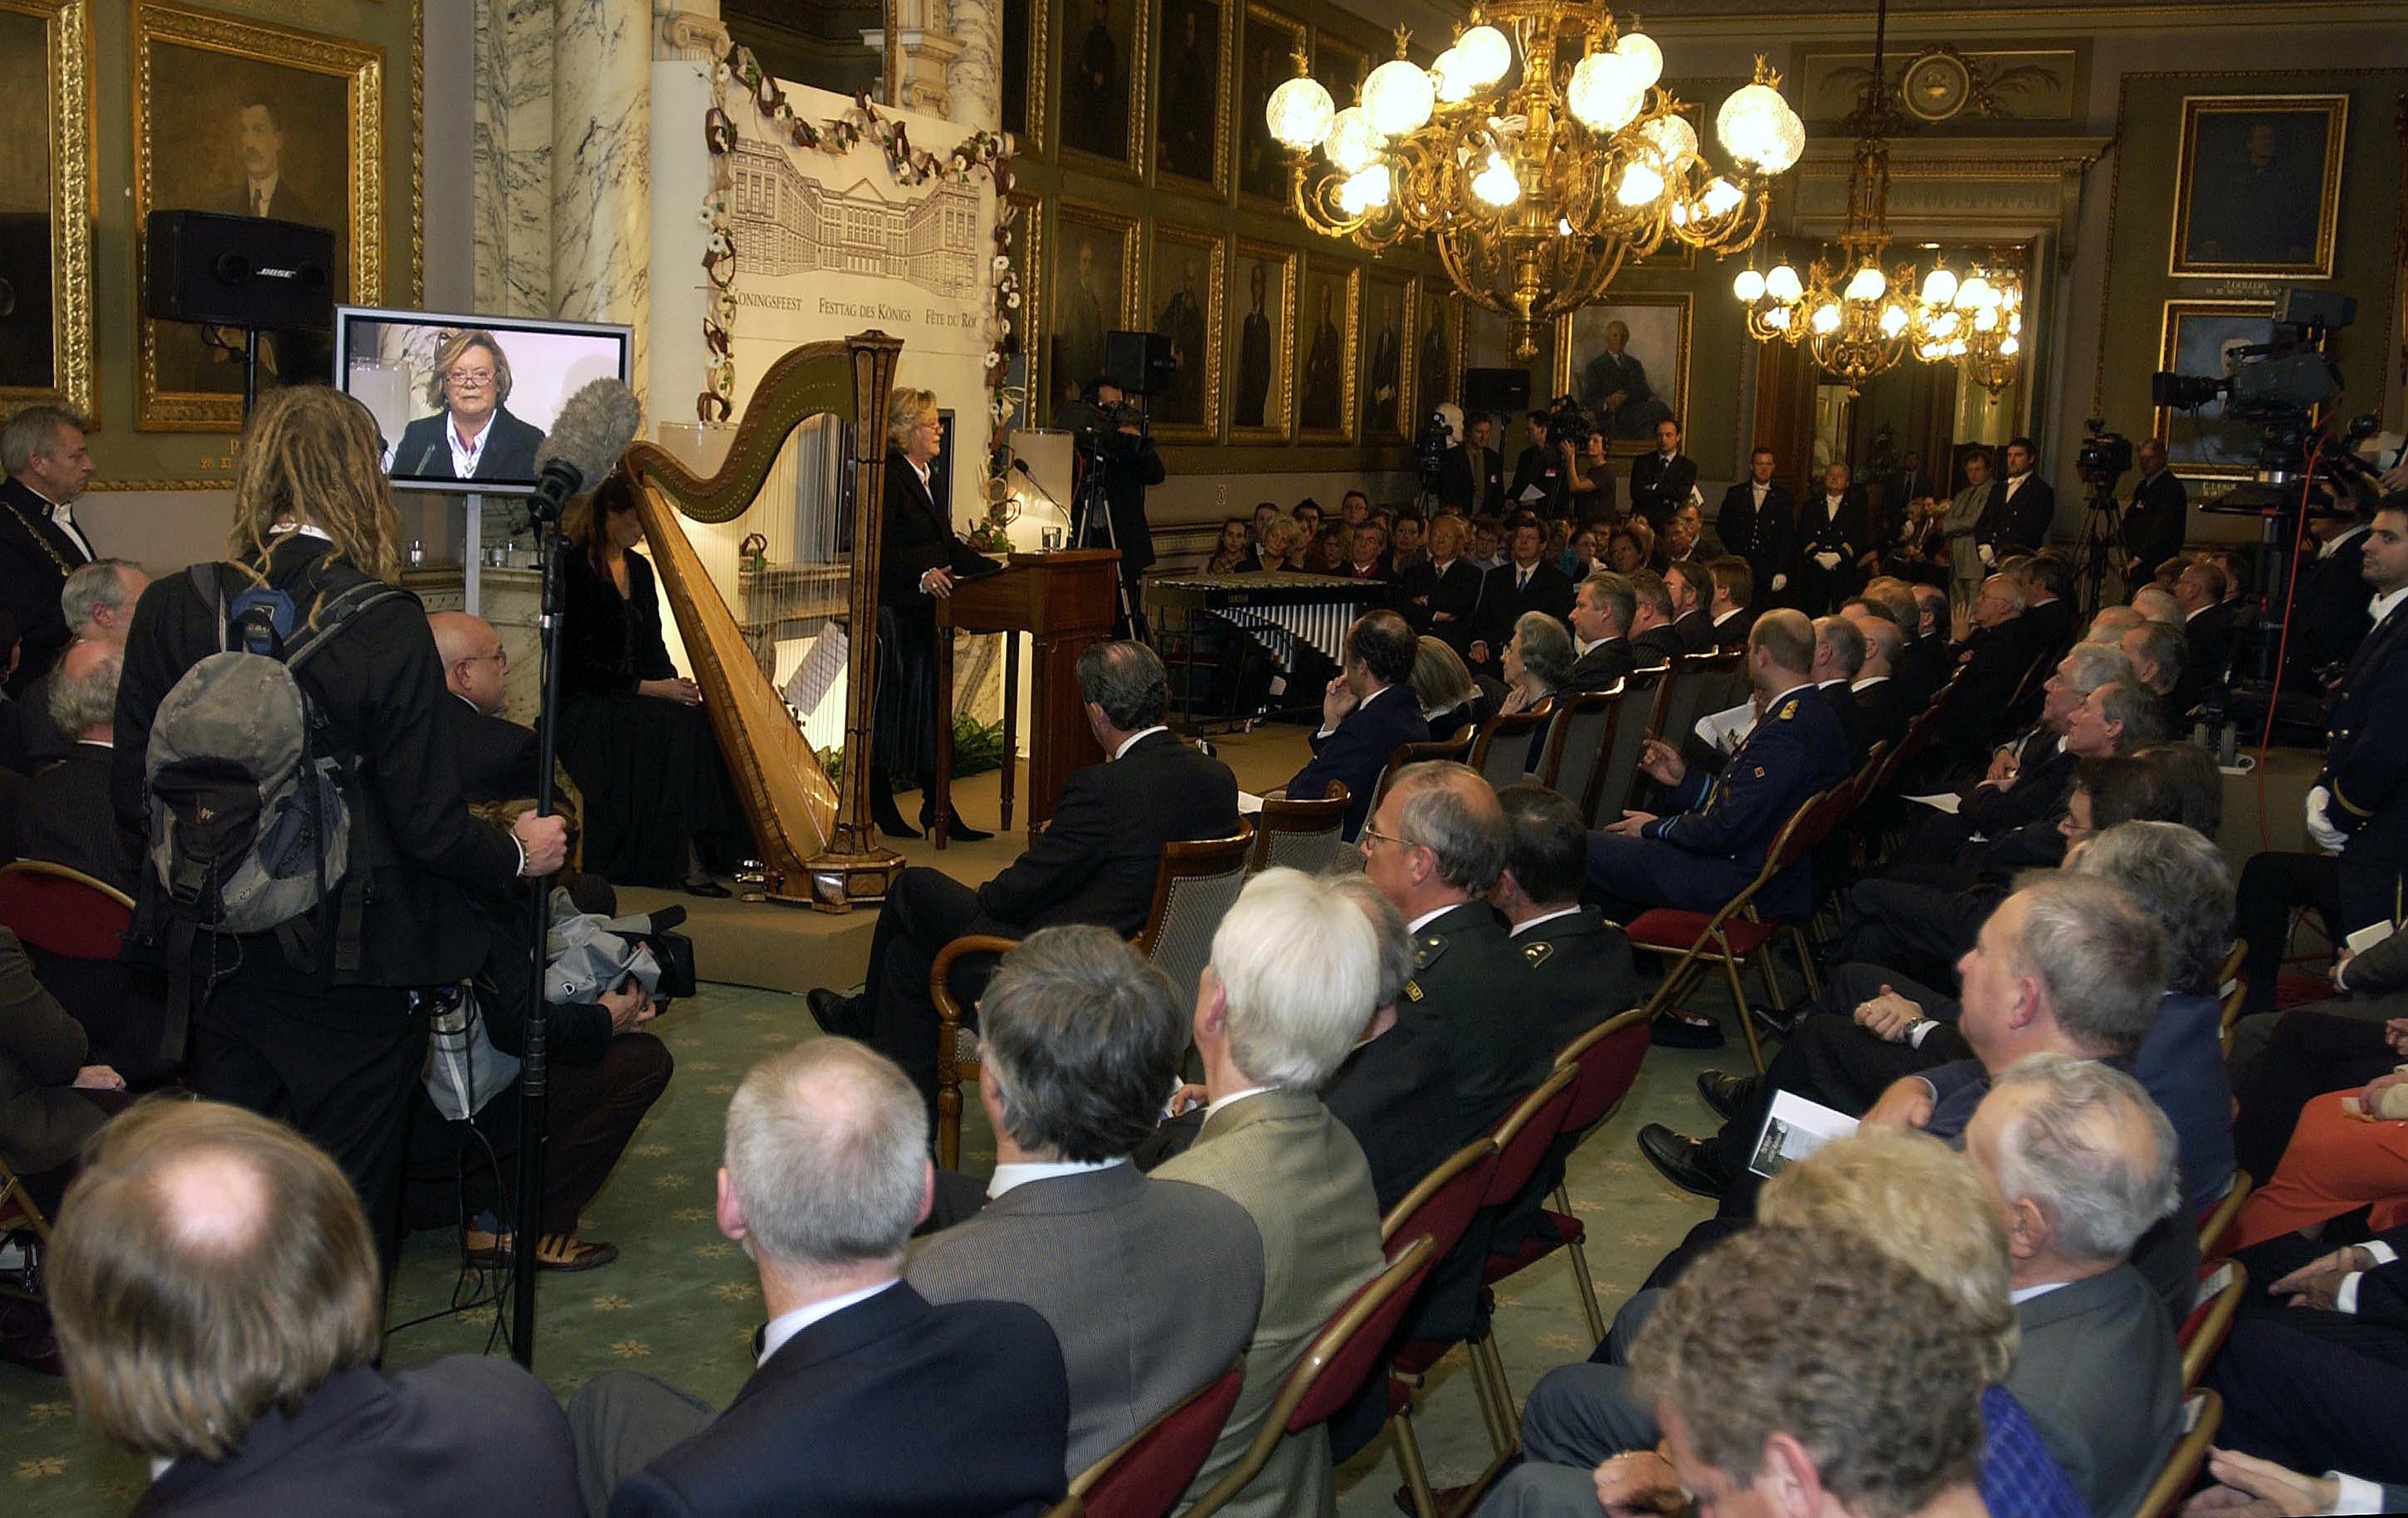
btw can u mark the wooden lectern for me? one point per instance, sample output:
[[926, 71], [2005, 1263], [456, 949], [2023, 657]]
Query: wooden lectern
[[1065, 600]]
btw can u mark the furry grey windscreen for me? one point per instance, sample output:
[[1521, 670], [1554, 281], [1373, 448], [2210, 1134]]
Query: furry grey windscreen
[[595, 426]]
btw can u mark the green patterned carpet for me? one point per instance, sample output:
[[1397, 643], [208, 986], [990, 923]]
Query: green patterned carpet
[[681, 1302]]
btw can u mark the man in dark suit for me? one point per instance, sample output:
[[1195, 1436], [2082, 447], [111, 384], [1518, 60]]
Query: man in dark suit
[[1661, 482], [2358, 804], [1839, 653], [1654, 640], [1731, 609], [1696, 857], [1434, 848], [1885, 705], [1756, 522], [2207, 626], [1368, 712], [192, 1216], [2048, 603], [2329, 614], [1995, 654], [1079, 1038], [1691, 588], [1094, 863], [64, 814], [474, 436], [1439, 594], [2152, 529], [1525, 581], [867, 1394], [1471, 476], [1831, 531], [2021, 509], [43, 454], [1369, 556], [1540, 466], [1602, 606], [498, 756], [2319, 1360]]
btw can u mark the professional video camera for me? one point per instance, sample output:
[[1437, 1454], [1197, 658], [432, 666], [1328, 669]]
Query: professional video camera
[[1437, 435], [2105, 456], [2274, 386], [1568, 424]]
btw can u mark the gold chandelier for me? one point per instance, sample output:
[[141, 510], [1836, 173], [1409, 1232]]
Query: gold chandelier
[[1537, 154], [1988, 339]]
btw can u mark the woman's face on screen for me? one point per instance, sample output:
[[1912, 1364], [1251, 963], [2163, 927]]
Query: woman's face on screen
[[471, 385]]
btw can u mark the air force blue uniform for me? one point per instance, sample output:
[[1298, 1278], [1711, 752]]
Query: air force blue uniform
[[2363, 772], [1700, 856]]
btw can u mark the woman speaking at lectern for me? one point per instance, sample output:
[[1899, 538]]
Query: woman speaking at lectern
[[919, 565]]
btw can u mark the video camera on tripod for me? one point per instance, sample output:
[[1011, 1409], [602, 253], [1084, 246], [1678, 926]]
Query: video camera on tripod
[[2278, 386]]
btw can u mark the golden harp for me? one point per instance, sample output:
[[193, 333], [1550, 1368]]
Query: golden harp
[[817, 840]]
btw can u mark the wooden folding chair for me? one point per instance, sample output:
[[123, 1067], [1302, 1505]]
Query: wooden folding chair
[[2202, 1414], [2209, 1322], [2231, 991], [1457, 747], [1607, 1058], [1193, 887], [2216, 1221], [1501, 752], [1577, 737], [1618, 770], [1290, 834], [1145, 1477]]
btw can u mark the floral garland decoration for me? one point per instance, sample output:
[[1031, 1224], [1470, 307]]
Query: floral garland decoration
[[981, 153]]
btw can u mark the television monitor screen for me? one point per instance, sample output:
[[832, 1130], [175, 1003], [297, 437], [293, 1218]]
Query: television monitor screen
[[464, 401]]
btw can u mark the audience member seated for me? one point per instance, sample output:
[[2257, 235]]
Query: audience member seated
[[97, 603], [1690, 588], [2157, 653], [1451, 698], [1992, 652], [1580, 967], [2348, 1151], [1538, 665], [2048, 602], [1603, 605], [1079, 1038], [2248, 1485], [1895, 1198], [2029, 777], [2207, 627], [1728, 608], [2281, 1061], [2157, 604], [1698, 855], [53, 1095], [1277, 1009], [218, 1307], [1525, 582], [866, 1397], [1368, 712], [1839, 653], [1094, 863], [1438, 595], [1884, 705], [63, 813], [1929, 644], [1654, 640]]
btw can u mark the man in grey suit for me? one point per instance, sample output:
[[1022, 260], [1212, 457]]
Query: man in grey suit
[[2083, 1163], [1150, 1286], [1294, 974]]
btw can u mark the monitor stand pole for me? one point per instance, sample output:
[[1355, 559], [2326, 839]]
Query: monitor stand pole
[[472, 553]]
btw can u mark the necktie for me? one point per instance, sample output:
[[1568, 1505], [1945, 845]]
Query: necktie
[[258, 202], [1522, 580]]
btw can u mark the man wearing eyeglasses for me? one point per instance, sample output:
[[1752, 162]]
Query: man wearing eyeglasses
[[473, 436]]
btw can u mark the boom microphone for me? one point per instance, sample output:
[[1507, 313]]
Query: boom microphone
[[595, 427]]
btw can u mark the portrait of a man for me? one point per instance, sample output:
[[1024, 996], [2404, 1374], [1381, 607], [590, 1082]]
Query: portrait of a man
[[2260, 184], [1628, 364], [1265, 62], [1323, 402], [1433, 376], [1096, 66], [1182, 319], [1087, 305], [1189, 91], [1258, 337], [1381, 397]]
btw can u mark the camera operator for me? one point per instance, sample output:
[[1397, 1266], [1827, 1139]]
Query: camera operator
[[1587, 490], [2153, 519], [1113, 438], [317, 1021]]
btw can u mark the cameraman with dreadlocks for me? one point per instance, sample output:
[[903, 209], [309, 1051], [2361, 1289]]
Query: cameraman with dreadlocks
[[319, 1016]]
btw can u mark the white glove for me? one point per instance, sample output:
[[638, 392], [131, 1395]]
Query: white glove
[[1987, 557], [1828, 560], [1779, 584], [2328, 837]]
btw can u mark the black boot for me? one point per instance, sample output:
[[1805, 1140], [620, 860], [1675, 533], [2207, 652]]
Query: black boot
[[955, 829], [882, 810]]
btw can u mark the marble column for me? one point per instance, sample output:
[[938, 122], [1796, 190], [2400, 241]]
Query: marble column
[[601, 136], [977, 74], [511, 155]]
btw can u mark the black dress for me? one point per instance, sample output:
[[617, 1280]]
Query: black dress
[[649, 769], [915, 539]]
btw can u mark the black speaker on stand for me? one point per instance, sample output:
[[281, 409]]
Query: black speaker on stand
[[250, 272], [1140, 362], [1495, 390]]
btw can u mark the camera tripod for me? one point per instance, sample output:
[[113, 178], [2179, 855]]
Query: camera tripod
[[2099, 543]]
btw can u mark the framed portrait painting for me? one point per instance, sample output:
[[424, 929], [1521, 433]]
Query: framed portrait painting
[[2259, 189], [1340, 66], [46, 308], [1188, 268], [2196, 337], [1023, 71], [1325, 343], [1094, 289], [253, 120], [1388, 353], [1261, 320], [1027, 221], [1438, 362], [1268, 50], [1192, 92], [1102, 79], [1626, 360]]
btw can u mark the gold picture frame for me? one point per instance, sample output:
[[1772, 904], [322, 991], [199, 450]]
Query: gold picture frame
[[1092, 288], [1340, 66], [1390, 312], [1027, 257], [1088, 113], [2257, 186], [46, 205], [1656, 326], [1187, 270], [1035, 19], [1262, 404], [192, 68], [1267, 52], [1187, 134], [1438, 336], [1327, 331], [2191, 337]]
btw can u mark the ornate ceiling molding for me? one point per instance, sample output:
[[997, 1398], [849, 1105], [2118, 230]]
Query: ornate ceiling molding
[[1957, 190]]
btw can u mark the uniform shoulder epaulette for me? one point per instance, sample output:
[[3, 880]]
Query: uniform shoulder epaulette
[[1536, 953], [1788, 709]]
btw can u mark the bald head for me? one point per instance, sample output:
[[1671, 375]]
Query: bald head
[[474, 664], [212, 1201]]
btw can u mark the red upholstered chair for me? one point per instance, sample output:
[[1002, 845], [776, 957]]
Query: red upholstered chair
[[1331, 1370], [2202, 1412], [62, 911], [1733, 935], [1439, 1208], [2216, 1221], [2210, 1319], [1145, 1477]]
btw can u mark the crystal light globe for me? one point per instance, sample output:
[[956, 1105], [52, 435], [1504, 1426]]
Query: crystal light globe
[[1777, 318], [2011, 346], [1368, 190], [1452, 76], [1486, 55], [1603, 95], [1893, 320], [1299, 113], [1641, 184], [1749, 286], [2016, 325], [1496, 184], [1671, 139], [1722, 197], [1399, 97], [1940, 286], [1758, 127], [1782, 284], [1826, 320], [1646, 59], [1985, 321], [1866, 284], [1352, 143], [1974, 294]]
